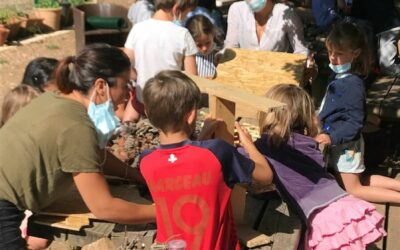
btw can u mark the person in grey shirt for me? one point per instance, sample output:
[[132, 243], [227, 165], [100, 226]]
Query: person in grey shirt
[[264, 25]]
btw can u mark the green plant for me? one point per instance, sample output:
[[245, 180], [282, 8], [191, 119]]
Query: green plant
[[76, 2], [47, 4], [8, 14]]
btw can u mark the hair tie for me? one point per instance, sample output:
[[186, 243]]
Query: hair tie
[[73, 59]]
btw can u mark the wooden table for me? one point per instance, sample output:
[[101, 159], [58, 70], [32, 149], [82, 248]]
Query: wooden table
[[69, 220]]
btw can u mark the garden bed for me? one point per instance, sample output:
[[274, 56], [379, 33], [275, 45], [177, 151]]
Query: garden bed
[[14, 58]]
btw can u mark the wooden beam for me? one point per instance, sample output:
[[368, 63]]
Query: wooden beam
[[225, 110], [233, 94]]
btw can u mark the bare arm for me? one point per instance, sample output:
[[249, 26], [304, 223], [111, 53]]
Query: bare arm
[[262, 173], [295, 34], [115, 167], [96, 195], [189, 65], [232, 34]]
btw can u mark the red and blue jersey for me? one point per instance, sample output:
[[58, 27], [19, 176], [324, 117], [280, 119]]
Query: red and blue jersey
[[191, 184]]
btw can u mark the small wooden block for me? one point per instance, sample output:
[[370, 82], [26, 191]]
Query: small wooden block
[[251, 238], [102, 244]]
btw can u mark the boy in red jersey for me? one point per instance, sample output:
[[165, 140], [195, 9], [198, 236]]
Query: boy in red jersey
[[191, 181]]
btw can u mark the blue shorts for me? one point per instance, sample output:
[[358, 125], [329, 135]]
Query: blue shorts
[[347, 157]]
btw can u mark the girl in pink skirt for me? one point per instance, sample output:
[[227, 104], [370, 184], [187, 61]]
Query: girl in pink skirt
[[333, 218]]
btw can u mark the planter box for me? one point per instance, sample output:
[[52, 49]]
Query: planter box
[[51, 17]]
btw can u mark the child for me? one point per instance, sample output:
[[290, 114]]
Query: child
[[39, 73], [14, 100], [141, 10], [204, 34], [342, 115], [160, 43], [334, 219], [191, 181]]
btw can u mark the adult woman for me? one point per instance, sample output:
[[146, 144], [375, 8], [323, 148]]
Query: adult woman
[[54, 142], [264, 25]]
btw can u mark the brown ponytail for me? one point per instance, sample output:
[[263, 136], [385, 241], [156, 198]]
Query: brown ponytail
[[63, 72], [94, 62]]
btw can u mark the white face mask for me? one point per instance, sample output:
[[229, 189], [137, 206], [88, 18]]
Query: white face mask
[[103, 118]]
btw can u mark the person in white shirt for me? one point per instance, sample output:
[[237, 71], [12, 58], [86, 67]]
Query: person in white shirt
[[141, 10], [157, 44], [264, 25]]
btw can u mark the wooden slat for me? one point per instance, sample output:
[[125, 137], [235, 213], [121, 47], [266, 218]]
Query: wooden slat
[[101, 244], [233, 94], [381, 208], [72, 206], [225, 110], [393, 225], [257, 71], [284, 227], [62, 222]]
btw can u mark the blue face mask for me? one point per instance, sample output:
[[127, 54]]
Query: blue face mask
[[104, 119], [256, 5], [340, 69], [178, 22]]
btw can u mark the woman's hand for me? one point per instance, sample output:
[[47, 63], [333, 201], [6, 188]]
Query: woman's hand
[[209, 127]]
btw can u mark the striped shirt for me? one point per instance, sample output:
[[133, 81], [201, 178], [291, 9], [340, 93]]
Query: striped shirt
[[205, 65]]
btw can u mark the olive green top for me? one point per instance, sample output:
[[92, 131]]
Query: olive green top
[[41, 146]]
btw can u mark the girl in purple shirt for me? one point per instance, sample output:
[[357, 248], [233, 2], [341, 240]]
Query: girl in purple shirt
[[334, 219]]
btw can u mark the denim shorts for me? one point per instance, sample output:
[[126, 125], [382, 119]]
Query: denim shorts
[[10, 220]]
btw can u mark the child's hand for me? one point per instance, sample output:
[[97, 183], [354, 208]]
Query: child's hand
[[323, 139], [209, 127], [244, 136]]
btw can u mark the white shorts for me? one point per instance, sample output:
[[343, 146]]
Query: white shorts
[[347, 157]]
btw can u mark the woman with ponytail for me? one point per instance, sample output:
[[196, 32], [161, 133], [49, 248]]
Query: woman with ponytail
[[63, 144]]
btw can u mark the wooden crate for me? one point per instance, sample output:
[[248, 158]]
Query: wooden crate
[[257, 71]]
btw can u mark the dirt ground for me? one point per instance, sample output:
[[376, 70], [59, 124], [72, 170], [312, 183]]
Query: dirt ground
[[13, 59]]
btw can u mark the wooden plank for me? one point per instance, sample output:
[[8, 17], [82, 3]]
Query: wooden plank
[[257, 71], [281, 225], [381, 208], [72, 206], [393, 222], [233, 94], [101, 244], [60, 222], [225, 110]]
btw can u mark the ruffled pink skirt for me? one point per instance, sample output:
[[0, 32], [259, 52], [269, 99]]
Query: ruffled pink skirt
[[348, 223]]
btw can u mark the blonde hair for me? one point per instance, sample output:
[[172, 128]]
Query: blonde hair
[[15, 99], [297, 116]]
